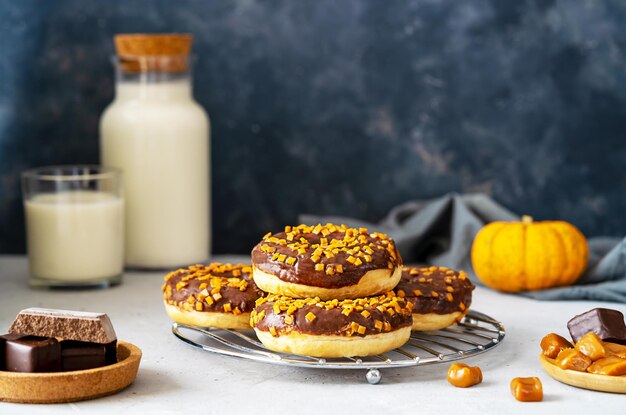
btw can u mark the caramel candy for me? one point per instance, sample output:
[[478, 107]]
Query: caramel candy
[[463, 376], [552, 344], [527, 389], [611, 366], [614, 349], [591, 346], [572, 359]]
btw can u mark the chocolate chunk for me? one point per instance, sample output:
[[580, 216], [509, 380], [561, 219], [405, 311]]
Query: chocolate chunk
[[3, 343], [77, 355], [67, 325], [111, 352], [606, 323], [31, 354]]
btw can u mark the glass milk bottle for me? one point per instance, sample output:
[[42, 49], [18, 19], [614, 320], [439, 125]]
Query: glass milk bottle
[[158, 135]]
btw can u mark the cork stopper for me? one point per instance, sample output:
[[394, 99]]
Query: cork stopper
[[165, 52]]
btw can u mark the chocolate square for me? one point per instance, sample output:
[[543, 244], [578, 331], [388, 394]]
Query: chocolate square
[[608, 324], [111, 352], [31, 354], [77, 355], [3, 343]]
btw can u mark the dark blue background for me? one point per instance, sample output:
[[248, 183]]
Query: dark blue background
[[344, 107]]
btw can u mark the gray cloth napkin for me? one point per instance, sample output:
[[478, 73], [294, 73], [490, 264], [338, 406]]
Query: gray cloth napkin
[[440, 231]]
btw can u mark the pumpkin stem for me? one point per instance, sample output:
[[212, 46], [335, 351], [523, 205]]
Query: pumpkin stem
[[527, 219]]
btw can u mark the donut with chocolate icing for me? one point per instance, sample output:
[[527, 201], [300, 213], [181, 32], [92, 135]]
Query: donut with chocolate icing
[[332, 328], [326, 261], [216, 295], [440, 296]]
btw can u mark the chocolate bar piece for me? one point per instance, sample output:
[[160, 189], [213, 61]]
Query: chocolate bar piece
[[77, 355], [608, 324], [111, 352], [67, 325], [31, 354], [3, 343]]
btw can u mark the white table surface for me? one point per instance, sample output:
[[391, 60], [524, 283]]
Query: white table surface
[[174, 376]]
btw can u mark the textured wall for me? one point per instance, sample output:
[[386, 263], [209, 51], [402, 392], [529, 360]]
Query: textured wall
[[344, 107]]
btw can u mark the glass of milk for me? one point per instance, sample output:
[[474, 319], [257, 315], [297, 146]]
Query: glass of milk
[[74, 226]]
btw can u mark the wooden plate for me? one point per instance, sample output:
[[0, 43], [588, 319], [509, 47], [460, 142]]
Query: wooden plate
[[591, 381], [72, 386]]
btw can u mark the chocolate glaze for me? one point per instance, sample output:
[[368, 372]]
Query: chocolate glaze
[[230, 295], [329, 322], [437, 279], [303, 271]]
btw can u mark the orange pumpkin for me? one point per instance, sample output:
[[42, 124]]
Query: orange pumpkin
[[527, 255]]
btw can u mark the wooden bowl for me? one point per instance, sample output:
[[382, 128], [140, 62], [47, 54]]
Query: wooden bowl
[[591, 381], [79, 385]]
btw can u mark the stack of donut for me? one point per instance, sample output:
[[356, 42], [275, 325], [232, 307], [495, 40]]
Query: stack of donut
[[332, 291]]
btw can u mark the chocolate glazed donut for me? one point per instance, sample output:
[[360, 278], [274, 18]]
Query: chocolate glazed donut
[[217, 295], [440, 296], [326, 261], [334, 328]]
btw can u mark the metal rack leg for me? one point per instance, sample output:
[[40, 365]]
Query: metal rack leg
[[373, 376]]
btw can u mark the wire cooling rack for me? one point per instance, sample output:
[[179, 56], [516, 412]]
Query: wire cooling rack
[[476, 333]]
